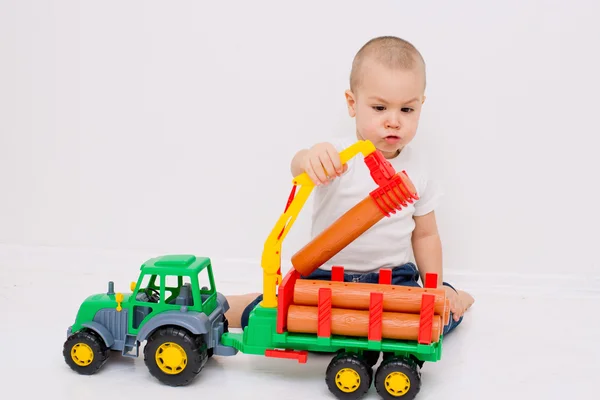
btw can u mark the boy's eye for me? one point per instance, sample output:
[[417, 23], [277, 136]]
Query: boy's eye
[[407, 110], [378, 108]]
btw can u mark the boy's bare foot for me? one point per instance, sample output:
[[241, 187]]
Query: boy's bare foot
[[466, 299], [237, 305]]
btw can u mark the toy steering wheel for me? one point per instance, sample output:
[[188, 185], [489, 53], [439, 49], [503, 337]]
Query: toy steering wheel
[[154, 297], [148, 295]]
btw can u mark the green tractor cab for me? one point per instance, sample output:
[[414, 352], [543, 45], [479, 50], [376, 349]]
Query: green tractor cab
[[174, 306]]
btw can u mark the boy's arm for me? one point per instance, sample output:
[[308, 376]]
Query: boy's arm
[[427, 247]]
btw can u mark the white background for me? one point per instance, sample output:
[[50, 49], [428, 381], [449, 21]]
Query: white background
[[169, 126], [134, 128]]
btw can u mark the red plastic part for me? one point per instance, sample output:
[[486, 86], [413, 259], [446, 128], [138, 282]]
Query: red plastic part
[[300, 355], [381, 169], [324, 313], [337, 273], [385, 276], [384, 175], [375, 316], [392, 193], [290, 199], [431, 280], [387, 198], [426, 320], [285, 297]]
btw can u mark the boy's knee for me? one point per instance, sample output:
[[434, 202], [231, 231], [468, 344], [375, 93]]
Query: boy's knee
[[450, 286]]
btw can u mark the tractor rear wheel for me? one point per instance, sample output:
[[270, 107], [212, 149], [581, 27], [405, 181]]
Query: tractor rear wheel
[[174, 356], [85, 352]]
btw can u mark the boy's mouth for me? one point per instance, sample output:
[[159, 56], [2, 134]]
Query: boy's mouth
[[392, 139]]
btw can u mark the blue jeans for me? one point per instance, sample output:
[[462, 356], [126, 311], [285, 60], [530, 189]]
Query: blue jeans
[[403, 275]]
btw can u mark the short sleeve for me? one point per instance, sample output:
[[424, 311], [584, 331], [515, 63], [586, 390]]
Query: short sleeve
[[430, 193]]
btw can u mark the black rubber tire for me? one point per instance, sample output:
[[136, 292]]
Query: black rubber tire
[[406, 366], [100, 351], [359, 365], [372, 357], [192, 346], [420, 363]]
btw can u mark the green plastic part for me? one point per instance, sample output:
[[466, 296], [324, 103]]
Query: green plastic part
[[163, 276], [261, 335]]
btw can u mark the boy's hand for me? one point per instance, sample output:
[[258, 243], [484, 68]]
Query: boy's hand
[[456, 305], [322, 163]]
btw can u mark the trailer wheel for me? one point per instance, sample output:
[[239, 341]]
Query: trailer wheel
[[85, 352], [349, 376], [174, 356], [398, 378]]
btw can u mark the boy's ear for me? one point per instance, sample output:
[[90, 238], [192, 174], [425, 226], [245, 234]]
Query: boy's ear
[[351, 101], [424, 97]]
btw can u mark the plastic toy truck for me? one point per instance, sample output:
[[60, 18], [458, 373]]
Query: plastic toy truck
[[180, 315]]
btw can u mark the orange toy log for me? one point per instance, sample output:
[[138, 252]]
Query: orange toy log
[[357, 296], [351, 225], [399, 326]]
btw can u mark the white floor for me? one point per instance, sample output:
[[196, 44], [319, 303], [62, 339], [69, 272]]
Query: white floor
[[525, 338]]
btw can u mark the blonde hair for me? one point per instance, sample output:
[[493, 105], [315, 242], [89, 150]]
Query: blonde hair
[[391, 51]]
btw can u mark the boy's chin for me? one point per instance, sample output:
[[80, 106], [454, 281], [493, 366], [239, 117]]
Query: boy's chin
[[390, 151]]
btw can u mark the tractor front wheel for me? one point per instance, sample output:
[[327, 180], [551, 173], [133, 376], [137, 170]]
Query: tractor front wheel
[[85, 352], [174, 356]]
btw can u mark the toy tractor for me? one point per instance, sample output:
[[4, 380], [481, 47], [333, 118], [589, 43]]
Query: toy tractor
[[181, 320]]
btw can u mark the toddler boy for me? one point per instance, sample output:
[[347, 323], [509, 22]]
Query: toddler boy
[[387, 91]]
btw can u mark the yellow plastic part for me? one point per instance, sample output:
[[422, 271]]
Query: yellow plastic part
[[397, 383], [271, 257], [171, 358], [347, 380], [119, 298], [132, 286], [82, 354]]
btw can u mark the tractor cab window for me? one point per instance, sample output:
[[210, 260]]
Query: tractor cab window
[[206, 284], [149, 291], [178, 290]]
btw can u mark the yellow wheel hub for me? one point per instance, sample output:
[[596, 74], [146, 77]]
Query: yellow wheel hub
[[347, 380], [82, 354], [171, 358], [397, 384]]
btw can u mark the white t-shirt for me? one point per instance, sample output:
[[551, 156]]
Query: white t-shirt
[[388, 243]]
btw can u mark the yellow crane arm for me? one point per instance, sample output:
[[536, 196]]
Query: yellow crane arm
[[271, 257]]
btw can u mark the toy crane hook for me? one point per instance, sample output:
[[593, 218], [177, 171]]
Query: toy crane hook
[[392, 194]]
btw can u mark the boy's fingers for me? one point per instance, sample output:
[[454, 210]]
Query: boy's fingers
[[312, 176], [327, 164], [311, 173], [335, 160], [318, 170]]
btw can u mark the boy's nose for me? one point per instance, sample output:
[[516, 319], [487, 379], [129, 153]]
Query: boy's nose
[[392, 123]]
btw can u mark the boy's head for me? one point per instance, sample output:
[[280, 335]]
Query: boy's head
[[387, 90]]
